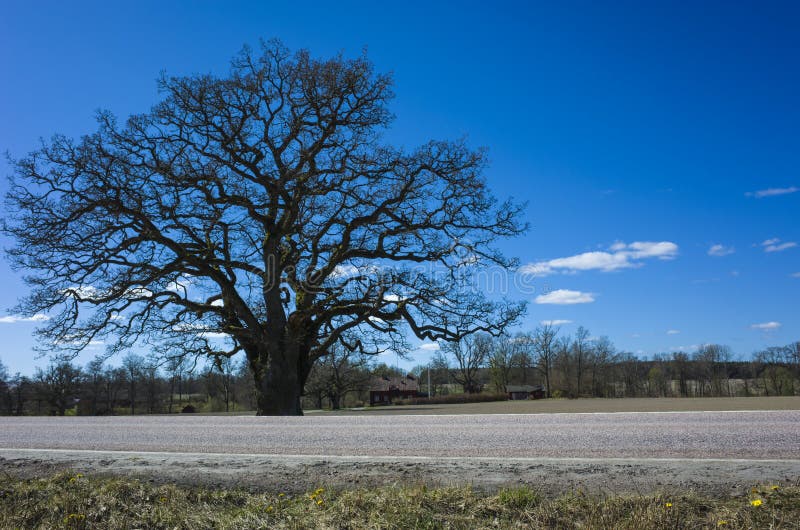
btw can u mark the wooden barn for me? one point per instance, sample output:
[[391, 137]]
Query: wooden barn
[[524, 392], [385, 389]]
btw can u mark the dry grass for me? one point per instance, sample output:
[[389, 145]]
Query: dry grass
[[589, 405], [76, 501]]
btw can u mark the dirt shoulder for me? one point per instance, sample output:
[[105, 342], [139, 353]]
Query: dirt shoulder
[[297, 474]]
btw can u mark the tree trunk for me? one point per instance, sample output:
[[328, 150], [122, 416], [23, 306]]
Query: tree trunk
[[335, 401], [279, 379], [277, 396]]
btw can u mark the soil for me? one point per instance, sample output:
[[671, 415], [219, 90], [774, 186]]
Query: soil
[[298, 474]]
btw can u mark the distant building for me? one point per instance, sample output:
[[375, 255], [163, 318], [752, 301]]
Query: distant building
[[524, 392], [383, 390]]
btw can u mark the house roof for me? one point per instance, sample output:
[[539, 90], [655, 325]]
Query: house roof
[[523, 388], [394, 383]]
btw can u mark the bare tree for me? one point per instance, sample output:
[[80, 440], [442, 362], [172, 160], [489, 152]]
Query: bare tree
[[524, 355], [580, 352], [338, 373], [5, 390], [440, 373], [115, 381], [501, 358], [680, 363], [470, 354], [713, 360], [94, 377], [176, 367], [544, 339], [133, 366], [60, 385], [776, 376], [221, 377], [603, 352], [258, 212]]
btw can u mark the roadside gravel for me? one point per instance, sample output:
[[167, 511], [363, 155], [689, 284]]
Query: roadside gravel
[[716, 452]]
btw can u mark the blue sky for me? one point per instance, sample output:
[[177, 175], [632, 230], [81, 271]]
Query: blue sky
[[622, 125]]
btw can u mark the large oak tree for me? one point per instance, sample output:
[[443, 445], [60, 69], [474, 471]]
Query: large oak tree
[[260, 212]]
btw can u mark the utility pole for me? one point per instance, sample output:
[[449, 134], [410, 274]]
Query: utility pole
[[429, 379]]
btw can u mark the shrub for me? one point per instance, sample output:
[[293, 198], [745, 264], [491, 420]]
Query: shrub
[[452, 398]]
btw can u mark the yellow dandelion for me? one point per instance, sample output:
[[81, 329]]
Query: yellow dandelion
[[79, 475], [775, 488], [163, 499], [319, 490], [756, 502], [270, 509], [281, 495], [668, 505], [722, 523], [319, 502]]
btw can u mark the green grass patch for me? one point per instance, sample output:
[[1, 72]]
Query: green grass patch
[[77, 501]]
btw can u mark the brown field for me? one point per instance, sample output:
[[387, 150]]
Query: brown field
[[590, 405]]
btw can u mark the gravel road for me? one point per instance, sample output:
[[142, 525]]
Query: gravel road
[[749, 435], [715, 451]]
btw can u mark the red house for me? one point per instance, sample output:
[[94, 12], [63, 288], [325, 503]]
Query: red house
[[385, 389]]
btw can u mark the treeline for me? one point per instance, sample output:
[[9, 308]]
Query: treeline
[[138, 386], [565, 366], [581, 366]]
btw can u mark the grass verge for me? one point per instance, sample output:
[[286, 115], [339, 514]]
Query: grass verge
[[77, 501]]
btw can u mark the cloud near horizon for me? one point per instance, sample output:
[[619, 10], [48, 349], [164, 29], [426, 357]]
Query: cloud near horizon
[[767, 326], [565, 297], [13, 319], [556, 322], [771, 192], [619, 256]]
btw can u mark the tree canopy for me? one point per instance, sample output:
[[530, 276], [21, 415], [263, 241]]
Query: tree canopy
[[259, 212]]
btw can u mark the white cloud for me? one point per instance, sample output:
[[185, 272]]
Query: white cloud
[[13, 319], [344, 271], [795, 275], [565, 297], [138, 292], [673, 331], [214, 335], [690, 347], [767, 326], [200, 330], [179, 285], [720, 250], [429, 346], [619, 256], [555, 322], [391, 297], [771, 192], [775, 245], [349, 270], [84, 292]]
